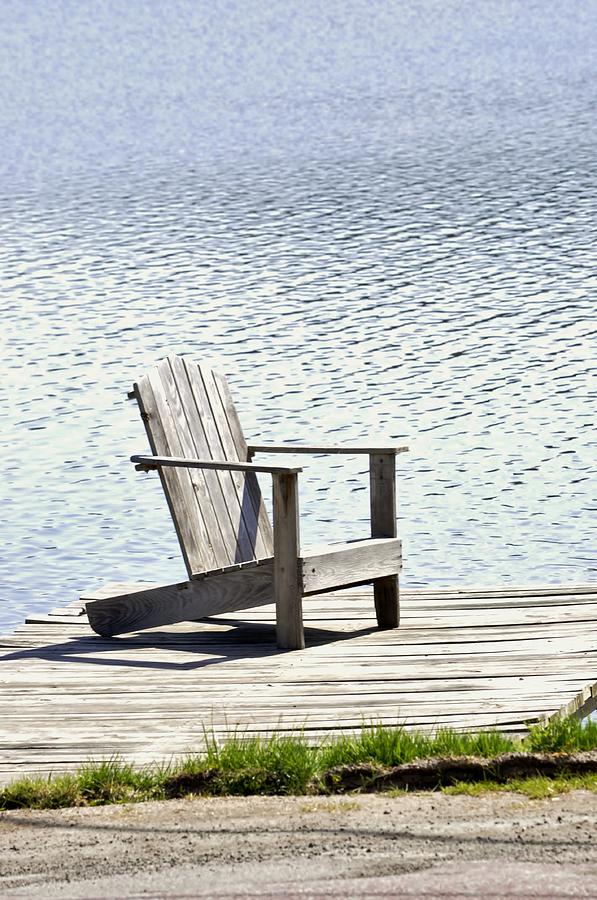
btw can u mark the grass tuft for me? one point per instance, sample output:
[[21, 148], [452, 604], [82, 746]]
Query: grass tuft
[[394, 746], [536, 787], [473, 789], [243, 766], [93, 784], [113, 781], [41, 793], [563, 735]]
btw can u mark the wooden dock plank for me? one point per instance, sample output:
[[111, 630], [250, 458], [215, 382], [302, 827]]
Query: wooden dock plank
[[478, 659]]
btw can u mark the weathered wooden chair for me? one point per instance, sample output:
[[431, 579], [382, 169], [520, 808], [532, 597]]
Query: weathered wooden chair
[[234, 561]]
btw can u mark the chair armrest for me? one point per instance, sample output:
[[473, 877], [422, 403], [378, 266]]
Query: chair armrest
[[147, 463], [298, 448]]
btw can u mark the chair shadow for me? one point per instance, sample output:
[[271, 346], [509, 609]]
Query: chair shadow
[[247, 640]]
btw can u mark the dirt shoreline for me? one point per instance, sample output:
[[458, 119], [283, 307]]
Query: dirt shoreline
[[420, 844]]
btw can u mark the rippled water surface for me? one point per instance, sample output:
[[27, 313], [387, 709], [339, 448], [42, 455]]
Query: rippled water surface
[[378, 219]]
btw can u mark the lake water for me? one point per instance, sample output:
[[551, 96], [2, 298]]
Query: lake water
[[378, 218]]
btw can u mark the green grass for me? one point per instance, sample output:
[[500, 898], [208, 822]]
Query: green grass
[[94, 784], [394, 746], [274, 765], [563, 735], [536, 787], [289, 765]]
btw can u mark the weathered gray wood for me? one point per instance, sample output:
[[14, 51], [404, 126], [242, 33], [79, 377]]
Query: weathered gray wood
[[206, 429], [114, 588], [74, 610], [382, 478], [40, 618], [149, 463], [195, 445], [214, 497], [323, 449], [387, 601], [218, 512], [188, 522], [231, 431], [213, 508], [66, 696], [198, 485], [167, 604], [348, 564], [490, 593], [287, 587]]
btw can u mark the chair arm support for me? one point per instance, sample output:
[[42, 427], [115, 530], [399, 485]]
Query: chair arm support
[[298, 448], [148, 463]]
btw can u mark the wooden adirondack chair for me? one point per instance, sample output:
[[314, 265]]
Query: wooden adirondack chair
[[234, 561]]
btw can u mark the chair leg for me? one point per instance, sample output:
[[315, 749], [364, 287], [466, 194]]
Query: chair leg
[[287, 588], [382, 475], [387, 601], [290, 633]]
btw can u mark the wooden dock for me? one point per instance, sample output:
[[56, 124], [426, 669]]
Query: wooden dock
[[468, 659]]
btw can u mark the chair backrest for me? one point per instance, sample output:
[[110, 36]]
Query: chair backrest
[[220, 518]]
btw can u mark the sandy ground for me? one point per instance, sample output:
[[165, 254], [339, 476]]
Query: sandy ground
[[421, 845]]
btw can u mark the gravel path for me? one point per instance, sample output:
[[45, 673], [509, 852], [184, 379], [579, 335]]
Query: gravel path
[[431, 845]]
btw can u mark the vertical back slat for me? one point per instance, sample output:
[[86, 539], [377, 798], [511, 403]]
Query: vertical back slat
[[192, 534], [231, 483], [197, 500], [231, 428], [206, 485], [219, 517]]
